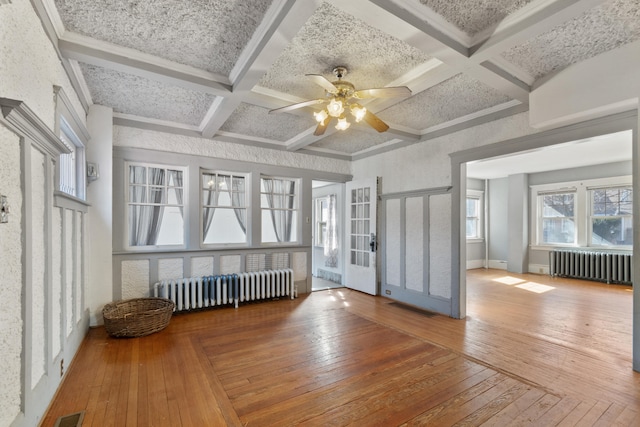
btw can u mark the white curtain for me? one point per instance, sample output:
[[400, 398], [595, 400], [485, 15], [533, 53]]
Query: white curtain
[[175, 179], [280, 199], [145, 220], [331, 238], [211, 199], [235, 186]]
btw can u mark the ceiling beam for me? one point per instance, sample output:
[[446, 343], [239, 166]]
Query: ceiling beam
[[95, 52], [284, 19], [527, 23], [438, 43]]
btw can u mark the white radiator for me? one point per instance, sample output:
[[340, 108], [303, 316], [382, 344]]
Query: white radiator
[[591, 265], [210, 291]]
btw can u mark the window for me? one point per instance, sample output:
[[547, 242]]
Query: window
[[589, 213], [224, 208], [322, 215], [71, 167], [279, 206], [475, 207], [557, 218], [611, 216], [155, 205]]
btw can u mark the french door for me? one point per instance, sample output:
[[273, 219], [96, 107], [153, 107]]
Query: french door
[[361, 204]]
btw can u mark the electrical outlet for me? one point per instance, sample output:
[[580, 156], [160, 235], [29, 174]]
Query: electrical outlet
[[4, 210]]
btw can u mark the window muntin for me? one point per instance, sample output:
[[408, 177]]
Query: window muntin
[[224, 208], [611, 216], [155, 205], [279, 209], [557, 219]]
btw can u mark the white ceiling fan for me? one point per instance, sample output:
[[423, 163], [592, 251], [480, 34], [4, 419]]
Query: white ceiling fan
[[342, 97]]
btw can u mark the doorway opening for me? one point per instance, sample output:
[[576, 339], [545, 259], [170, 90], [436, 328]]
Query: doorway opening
[[327, 252]]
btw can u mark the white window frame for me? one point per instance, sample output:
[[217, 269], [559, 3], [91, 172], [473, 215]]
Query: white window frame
[[582, 210], [247, 207], [185, 206], [296, 210], [479, 196], [71, 175], [591, 217]]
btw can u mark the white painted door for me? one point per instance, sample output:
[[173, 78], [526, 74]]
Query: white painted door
[[361, 204]]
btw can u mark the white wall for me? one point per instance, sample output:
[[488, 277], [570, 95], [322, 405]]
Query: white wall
[[153, 140], [100, 196], [605, 84]]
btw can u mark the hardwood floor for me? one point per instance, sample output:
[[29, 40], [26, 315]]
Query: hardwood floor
[[340, 357]]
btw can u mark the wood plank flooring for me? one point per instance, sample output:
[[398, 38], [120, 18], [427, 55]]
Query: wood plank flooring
[[340, 357]]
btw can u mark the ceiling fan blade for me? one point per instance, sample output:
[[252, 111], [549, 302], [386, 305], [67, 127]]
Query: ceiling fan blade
[[298, 105], [375, 122], [383, 92], [322, 81], [322, 127]]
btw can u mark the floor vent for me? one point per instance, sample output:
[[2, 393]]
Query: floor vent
[[71, 420], [418, 310]]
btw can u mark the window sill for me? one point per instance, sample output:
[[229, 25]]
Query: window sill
[[475, 240], [581, 248], [67, 201]]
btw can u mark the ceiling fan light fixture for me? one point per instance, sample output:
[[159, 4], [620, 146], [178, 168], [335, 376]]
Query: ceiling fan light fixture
[[335, 108], [321, 116], [358, 111], [342, 124]]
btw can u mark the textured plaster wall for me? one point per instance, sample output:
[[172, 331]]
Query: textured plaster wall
[[414, 233], [140, 138], [135, 279], [230, 264], [440, 245], [10, 270], [29, 68], [201, 266], [170, 268]]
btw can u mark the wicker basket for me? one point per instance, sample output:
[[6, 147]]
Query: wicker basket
[[137, 317]]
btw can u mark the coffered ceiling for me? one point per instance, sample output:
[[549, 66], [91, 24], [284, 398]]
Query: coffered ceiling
[[214, 68]]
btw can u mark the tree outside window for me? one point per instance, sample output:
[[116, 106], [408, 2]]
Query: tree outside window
[[558, 218], [612, 216]]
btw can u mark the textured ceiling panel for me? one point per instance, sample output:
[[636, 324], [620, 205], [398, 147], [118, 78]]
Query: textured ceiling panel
[[206, 34], [331, 38], [473, 16], [352, 140], [255, 121], [455, 97], [130, 94], [599, 30]]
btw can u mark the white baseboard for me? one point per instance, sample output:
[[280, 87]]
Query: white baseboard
[[498, 264], [475, 263], [539, 268]]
